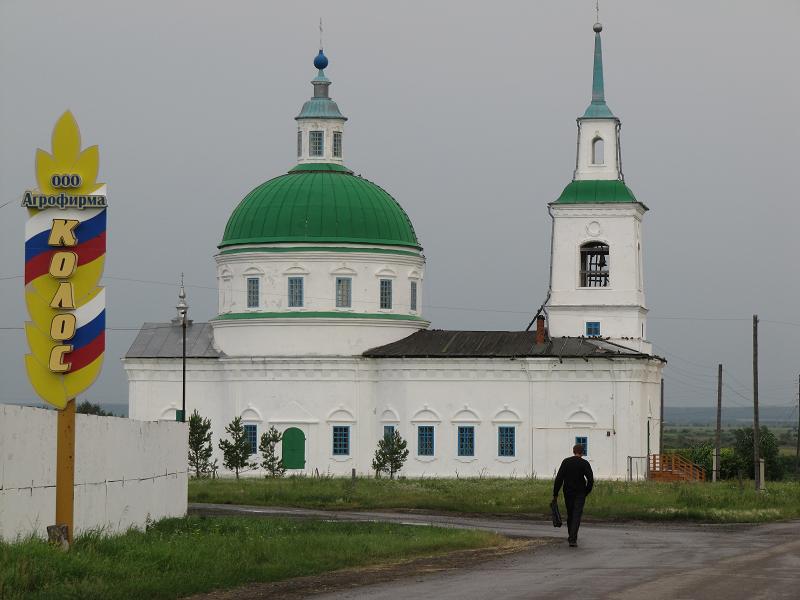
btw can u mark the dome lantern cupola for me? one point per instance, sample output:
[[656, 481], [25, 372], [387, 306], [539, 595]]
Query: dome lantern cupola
[[320, 124]]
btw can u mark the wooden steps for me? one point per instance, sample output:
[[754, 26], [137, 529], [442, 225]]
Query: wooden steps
[[674, 467]]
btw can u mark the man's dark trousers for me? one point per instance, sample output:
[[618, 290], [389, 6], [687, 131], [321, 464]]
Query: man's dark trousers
[[574, 504]]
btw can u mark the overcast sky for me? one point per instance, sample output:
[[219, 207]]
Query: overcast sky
[[465, 112]]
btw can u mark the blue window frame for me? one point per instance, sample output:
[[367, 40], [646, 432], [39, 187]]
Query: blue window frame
[[425, 440], [413, 295], [466, 440], [344, 292], [386, 294], [341, 440], [592, 328], [583, 441], [252, 292], [251, 432], [388, 430], [316, 143], [506, 441], [295, 292]]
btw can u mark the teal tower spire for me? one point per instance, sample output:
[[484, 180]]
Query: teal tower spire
[[598, 109]]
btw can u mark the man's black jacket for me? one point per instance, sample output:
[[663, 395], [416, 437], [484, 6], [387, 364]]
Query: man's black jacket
[[576, 476]]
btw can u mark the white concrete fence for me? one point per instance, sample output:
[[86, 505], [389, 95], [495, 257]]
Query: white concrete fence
[[126, 472]]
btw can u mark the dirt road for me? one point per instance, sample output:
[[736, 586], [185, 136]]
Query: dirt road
[[627, 561]]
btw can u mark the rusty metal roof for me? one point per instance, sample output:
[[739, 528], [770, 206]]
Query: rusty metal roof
[[164, 340], [436, 343]]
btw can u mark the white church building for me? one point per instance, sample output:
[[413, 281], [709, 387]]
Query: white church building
[[321, 331]]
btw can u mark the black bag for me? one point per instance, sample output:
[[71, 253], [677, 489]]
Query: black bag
[[556, 514]]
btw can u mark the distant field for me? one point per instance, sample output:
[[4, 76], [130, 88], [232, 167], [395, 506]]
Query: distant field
[[683, 436], [178, 557], [722, 502]]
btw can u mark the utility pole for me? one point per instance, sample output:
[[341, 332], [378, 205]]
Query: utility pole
[[715, 475], [797, 458], [661, 423], [756, 429]]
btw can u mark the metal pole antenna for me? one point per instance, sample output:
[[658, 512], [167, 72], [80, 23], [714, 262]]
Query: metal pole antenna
[[183, 400], [183, 312]]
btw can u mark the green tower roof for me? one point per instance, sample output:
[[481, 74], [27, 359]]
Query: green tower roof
[[319, 203], [597, 191]]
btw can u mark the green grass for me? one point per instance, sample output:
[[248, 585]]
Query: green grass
[[722, 502], [177, 557]]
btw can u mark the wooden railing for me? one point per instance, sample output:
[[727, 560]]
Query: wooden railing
[[674, 467]]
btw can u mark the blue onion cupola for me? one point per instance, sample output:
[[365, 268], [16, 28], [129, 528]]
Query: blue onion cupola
[[320, 60]]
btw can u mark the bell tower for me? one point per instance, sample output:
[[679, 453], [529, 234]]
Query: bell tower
[[596, 280]]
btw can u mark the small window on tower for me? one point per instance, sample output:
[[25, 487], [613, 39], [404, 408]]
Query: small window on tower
[[316, 143], [592, 329], [299, 144], [597, 151], [594, 265], [413, 295], [337, 144]]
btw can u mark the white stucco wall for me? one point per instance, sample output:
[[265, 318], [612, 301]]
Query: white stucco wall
[[316, 334], [620, 308], [126, 471], [547, 401], [328, 127], [588, 131]]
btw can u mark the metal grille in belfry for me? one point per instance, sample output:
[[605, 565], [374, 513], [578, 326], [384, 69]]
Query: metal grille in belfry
[[594, 265]]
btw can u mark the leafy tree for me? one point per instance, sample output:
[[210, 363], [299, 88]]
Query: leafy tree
[[200, 447], [271, 463], [700, 453], [236, 451], [769, 451], [88, 408], [390, 454]]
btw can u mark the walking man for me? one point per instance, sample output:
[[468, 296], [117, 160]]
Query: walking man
[[575, 474]]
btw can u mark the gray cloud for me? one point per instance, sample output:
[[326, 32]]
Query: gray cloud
[[465, 113]]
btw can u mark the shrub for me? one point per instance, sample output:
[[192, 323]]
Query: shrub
[[271, 463], [236, 451], [390, 454], [200, 448]]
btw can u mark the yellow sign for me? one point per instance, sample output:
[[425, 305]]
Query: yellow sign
[[65, 247]]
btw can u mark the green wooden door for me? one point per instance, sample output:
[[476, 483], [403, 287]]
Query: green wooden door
[[293, 449]]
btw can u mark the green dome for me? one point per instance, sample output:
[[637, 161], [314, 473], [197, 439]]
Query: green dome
[[319, 203]]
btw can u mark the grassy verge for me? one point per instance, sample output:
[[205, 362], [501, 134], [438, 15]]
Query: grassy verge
[[722, 502], [177, 557]]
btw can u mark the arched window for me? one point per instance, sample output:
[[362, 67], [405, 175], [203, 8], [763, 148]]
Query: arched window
[[597, 151], [594, 264]]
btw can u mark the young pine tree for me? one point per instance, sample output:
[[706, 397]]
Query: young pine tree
[[236, 451], [390, 454], [271, 463], [200, 448]]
